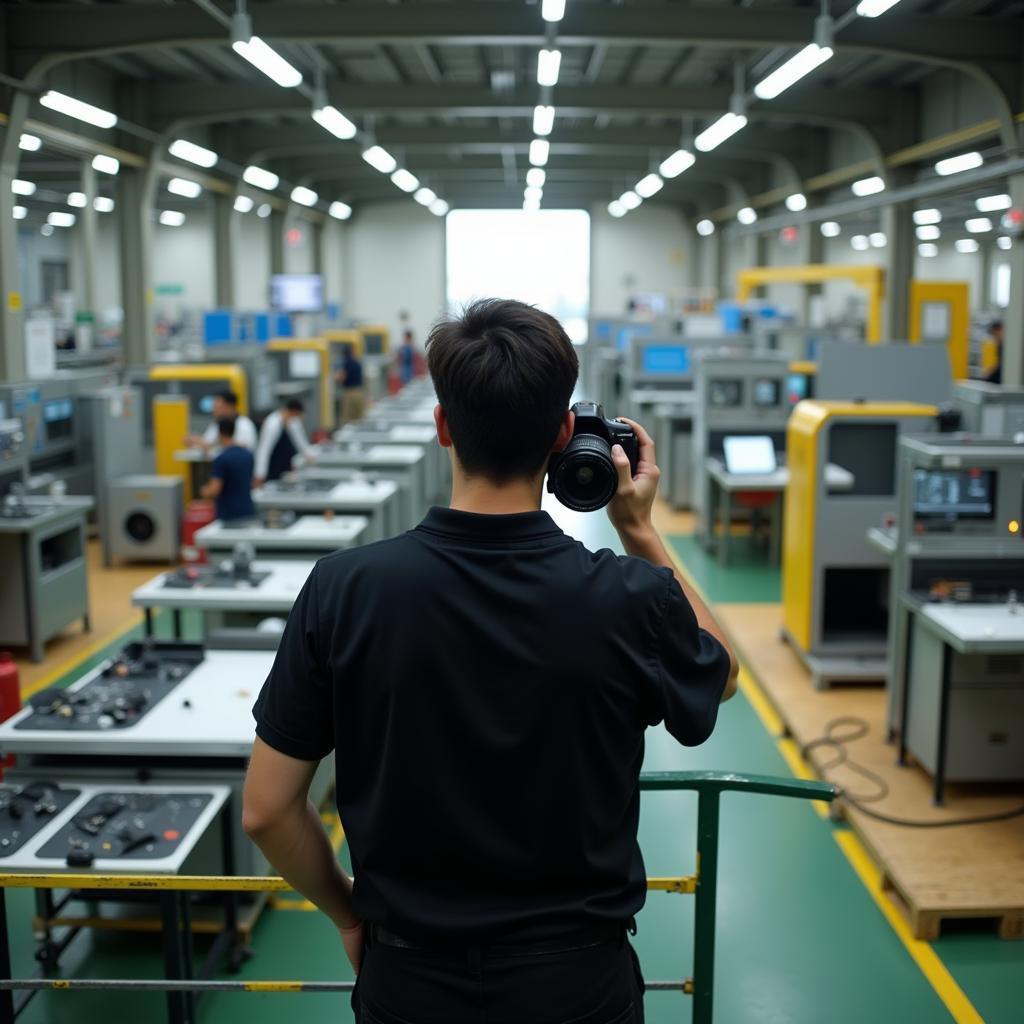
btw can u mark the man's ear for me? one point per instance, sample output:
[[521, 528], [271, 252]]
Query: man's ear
[[565, 431], [444, 437]]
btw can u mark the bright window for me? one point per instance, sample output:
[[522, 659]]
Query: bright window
[[542, 258]]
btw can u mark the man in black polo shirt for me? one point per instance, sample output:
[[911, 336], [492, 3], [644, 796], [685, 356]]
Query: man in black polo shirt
[[485, 683]]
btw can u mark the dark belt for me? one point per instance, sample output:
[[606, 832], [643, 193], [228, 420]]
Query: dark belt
[[577, 938]]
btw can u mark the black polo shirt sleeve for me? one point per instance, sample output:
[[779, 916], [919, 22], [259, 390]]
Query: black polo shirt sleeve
[[689, 670], [295, 709]]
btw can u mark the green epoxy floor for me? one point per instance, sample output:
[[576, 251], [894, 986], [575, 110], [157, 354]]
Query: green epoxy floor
[[799, 939], [748, 579]]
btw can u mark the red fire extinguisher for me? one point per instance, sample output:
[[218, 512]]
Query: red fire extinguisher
[[10, 697]]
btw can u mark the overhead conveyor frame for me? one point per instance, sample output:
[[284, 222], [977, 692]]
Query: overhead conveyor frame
[[703, 885]]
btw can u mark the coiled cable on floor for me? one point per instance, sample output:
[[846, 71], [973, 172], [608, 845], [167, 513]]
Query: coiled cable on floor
[[836, 739]]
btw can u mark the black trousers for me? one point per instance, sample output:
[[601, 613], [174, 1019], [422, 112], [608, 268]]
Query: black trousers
[[599, 984]]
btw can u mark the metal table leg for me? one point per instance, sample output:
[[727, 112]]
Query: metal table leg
[[149, 621], [908, 638], [775, 553], [723, 551], [177, 623], [940, 754], [6, 995], [173, 966]]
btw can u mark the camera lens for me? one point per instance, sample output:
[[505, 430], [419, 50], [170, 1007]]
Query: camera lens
[[585, 478]]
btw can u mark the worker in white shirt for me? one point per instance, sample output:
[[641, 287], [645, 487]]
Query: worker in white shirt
[[282, 437], [225, 407]]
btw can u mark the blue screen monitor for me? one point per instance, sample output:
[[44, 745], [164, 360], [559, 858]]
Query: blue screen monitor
[[602, 330], [667, 359], [796, 387]]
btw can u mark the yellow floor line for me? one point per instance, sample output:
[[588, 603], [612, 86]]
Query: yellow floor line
[[960, 1007], [82, 656]]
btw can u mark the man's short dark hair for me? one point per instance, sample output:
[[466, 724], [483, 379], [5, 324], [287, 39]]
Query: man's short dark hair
[[230, 397], [996, 325], [294, 405], [504, 373], [226, 426]]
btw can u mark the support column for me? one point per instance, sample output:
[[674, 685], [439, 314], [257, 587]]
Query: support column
[[88, 230], [811, 246], [276, 228], [1013, 322], [135, 212], [898, 225], [224, 269], [317, 234], [12, 330]]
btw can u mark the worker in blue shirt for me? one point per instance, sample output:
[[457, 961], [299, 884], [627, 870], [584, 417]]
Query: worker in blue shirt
[[350, 380], [230, 484], [406, 358]]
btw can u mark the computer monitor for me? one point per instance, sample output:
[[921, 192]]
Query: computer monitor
[[303, 365], [297, 293], [373, 342], [796, 387], [750, 455], [767, 392], [725, 393], [665, 359], [954, 494]]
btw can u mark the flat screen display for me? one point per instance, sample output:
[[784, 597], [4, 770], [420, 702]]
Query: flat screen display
[[954, 494], [796, 388], [767, 392], [303, 365], [725, 393], [667, 359], [206, 405], [57, 409], [374, 344], [750, 454], [297, 293]]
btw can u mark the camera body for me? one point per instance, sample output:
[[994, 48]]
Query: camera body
[[582, 476]]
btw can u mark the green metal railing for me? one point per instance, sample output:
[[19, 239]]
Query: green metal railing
[[175, 889]]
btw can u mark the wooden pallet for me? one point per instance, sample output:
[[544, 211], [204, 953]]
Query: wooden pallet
[[971, 872]]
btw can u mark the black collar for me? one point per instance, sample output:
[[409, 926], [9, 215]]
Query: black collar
[[451, 522]]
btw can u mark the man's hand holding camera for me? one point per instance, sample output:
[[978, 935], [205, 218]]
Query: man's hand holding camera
[[630, 509]]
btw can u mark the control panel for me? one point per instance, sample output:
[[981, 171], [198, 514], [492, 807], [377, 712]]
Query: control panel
[[26, 810]]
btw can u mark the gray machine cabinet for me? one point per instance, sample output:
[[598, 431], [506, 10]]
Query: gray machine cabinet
[[143, 518], [991, 410]]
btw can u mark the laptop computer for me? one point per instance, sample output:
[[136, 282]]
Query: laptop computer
[[752, 456]]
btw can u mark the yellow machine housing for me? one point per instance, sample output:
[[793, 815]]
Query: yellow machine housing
[[229, 376], [349, 336], [834, 584], [171, 418], [940, 312], [325, 392]]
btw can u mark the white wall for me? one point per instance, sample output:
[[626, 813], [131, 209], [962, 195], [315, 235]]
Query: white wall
[[185, 257], [334, 243], [646, 251], [33, 250], [251, 252]]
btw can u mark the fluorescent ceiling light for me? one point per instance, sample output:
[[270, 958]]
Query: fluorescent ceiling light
[[548, 64], [380, 159], [189, 151], [76, 108], [616, 209], [543, 120], [533, 192], [20, 212], [20, 187], [264, 210], [873, 8], [61, 219], [868, 186], [957, 164], [928, 250], [928, 216], [438, 207], [724, 128], [29, 143], [978, 225], [46, 229], [630, 200], [539, 151], [747, 215], [536, 176], [266, 59], [1004, 242], [103, 204], [106, 164], [860, 243], [425, 196], [340, 210], [803, 63], [831, 229], [877, 240], [967, 245], [705, 228], [648, 186], [184, 187], [674, 165], [172, 218], [304, 196], [334, 121], [405, 180], [552, 10], [993, 204], [928, 232], [260, 178], [796, 202], [77, 200], [243, 204]]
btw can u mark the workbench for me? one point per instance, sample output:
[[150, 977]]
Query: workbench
[[376, 499], [307, 537]]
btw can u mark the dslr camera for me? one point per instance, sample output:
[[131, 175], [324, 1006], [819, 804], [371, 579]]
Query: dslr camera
[[582, 476]]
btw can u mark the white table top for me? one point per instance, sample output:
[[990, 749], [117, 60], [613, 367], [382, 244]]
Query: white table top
[[971, 627], [195, 455], [372, 456], [25, 859], [68, 506], [306, 531], [836, 478], [276, 593], [351, 495], [221, 691], [397, 433]]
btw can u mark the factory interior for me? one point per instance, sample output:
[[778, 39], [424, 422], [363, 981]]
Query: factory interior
[[785, 236]]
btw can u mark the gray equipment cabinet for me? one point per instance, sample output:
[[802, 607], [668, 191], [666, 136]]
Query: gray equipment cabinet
[[992, 410]]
